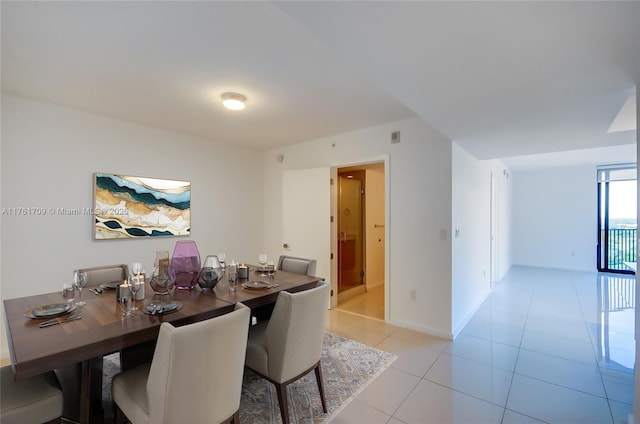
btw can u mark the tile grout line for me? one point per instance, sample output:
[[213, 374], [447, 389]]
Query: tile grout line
[[515, 366]]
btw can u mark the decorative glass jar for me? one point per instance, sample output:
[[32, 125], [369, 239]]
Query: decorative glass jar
[[210, 273], [161, 281], [185, 265]]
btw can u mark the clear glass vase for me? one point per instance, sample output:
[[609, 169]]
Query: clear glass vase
[[161, 281], [185, 265], [210, 273]]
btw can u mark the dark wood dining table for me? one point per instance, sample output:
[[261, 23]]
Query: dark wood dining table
[[104, 330]]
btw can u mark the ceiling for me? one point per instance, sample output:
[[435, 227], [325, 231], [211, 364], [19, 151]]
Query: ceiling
[[502, 79]]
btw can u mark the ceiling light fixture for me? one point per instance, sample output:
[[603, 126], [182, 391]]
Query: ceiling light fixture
[[233, 101]]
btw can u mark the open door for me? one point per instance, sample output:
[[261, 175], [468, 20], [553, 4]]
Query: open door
[[306, 217]]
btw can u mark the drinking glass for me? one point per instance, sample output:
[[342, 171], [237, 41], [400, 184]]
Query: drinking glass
[[80, 280], [68, 292], [271, 269], [232, 276], [262, 260], [126, 304]]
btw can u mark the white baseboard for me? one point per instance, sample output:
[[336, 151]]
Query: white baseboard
[[460, 325], [420, 329]]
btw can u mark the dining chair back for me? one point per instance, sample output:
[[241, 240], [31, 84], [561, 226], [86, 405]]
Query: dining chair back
[[297, 265], [195, 375], [289, 345], [35, 400], [106, 274]]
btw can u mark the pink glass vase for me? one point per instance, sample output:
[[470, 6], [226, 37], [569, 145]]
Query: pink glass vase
[[185, 265]]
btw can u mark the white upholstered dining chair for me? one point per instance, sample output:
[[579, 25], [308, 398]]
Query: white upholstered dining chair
[[195, 375], [35, 400], [289, 264], [297, 265], [289, 345]]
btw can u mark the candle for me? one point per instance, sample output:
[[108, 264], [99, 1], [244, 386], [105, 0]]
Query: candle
[[243, 271], [122, 291]]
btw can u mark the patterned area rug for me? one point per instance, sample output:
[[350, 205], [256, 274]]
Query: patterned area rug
[[347, 368]]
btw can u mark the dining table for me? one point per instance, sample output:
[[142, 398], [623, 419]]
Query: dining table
[[103, 329]]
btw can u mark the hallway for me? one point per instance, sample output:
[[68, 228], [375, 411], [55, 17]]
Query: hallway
[[546, 346]]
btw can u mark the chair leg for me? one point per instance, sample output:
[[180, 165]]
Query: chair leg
[[236, 417], [281, 389], [118, 415], [318, 371]]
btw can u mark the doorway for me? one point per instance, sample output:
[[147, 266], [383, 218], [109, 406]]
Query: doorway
[[617, 219], [351, 236], [360, 236]]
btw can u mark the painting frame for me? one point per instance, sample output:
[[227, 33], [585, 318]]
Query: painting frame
[[131, 207]]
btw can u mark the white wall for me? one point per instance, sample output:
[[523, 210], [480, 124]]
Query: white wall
[[471, 221], [49, 155], [374, 210], [419, 175], [555, 218]]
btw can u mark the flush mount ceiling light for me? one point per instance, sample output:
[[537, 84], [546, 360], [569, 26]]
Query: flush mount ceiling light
[[233, 101]]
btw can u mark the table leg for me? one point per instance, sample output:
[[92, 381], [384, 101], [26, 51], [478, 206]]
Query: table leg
[[91, 392]]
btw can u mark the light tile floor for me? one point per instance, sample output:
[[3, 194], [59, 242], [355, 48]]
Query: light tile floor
[[369, 303], [540, 349]]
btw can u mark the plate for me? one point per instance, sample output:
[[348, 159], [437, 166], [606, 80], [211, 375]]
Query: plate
[[110, 286], [49, 311], [166, 308], [256, 285]]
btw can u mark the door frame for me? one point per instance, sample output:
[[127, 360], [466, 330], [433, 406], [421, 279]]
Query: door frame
[[362, 230], [493, 229], [387, 230], [603, 205]]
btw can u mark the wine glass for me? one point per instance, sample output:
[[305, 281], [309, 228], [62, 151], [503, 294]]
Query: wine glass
[[134, 288], [80, 280], [222, 260], [262, 260], [136, 268]]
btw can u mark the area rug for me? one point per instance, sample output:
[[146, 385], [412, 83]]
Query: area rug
[[347, 368]]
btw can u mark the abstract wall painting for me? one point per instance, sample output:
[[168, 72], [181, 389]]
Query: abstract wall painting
[[137, 207]]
